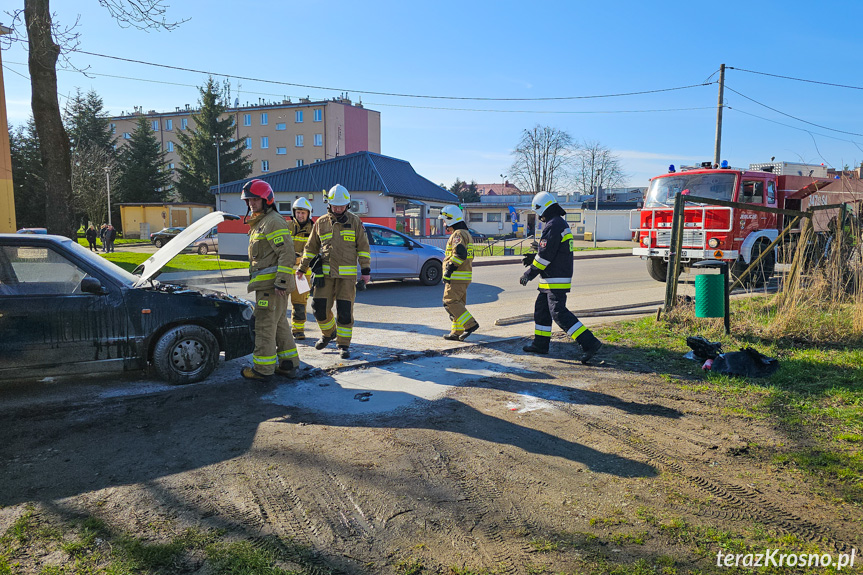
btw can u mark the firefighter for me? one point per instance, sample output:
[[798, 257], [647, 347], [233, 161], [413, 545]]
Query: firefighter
[[457, 263], [301, 228], [553, 264], [271, 277], [339, 238]]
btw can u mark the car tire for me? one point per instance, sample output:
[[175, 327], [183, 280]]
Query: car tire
[[657, 268], [431, 273], [203, 249], [158, 243], [186, 354]]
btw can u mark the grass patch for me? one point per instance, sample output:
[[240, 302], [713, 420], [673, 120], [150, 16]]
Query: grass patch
[[180, 263], [409, 566]]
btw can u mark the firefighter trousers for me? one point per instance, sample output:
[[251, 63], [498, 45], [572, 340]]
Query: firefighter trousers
[[454, 301], [341, 292], [298, 311], [551, 306], [273, 340]]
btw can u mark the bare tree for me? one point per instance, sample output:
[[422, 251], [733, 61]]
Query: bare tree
[[542, 159], [47, 42], [90, 182], [596, 167]]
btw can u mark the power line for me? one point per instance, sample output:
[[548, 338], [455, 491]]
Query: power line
[[790, 116], [796, 79], [395, 94]]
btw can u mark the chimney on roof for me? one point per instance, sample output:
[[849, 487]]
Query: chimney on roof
[[187, 107]]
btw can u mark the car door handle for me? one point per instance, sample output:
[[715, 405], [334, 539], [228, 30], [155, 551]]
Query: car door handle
[[383, 251]]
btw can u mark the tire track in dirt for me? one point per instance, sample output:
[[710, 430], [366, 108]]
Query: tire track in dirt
[[743, 502]]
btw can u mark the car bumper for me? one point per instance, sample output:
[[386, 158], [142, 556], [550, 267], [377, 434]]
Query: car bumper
[[686, 253]]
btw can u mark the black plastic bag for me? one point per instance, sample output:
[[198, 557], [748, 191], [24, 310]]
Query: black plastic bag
[[702, 348], [748, 362]]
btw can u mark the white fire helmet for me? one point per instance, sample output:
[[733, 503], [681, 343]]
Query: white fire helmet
[[338, 196], [541, 202], [301, 204], [451, 215]]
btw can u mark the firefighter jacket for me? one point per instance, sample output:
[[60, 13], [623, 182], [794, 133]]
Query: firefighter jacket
[[340, 245], [553, 261], [458, 257], [271, 253], [300, 233]]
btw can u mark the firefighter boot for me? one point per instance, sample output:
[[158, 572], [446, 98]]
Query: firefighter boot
[[538, 345], [589, 346], [287, 369], [250, 373], [299, 335], [344, 352], [451, 336], [468, 331], [322, 343]]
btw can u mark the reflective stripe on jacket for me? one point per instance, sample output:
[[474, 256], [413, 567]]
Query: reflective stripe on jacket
[[340, 246], [271, 253]]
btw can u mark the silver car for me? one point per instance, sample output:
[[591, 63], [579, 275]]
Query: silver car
[[208, 243], [396, 256]]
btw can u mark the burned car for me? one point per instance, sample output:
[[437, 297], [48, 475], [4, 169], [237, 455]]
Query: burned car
[[66, 310]]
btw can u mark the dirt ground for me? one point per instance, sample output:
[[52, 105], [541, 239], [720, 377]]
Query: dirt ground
[[545, 466]]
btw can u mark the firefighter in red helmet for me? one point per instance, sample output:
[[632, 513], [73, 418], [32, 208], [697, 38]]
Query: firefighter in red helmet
[[271, 277]]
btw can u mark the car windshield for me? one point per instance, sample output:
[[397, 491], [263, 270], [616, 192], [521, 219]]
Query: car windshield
[[715, 185], [106, 266]]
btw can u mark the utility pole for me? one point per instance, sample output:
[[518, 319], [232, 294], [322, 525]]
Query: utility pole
[[108, 177], [218, 140], [718, 146], [596, 206]]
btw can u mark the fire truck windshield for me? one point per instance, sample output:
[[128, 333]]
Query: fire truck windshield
[[717, 185]]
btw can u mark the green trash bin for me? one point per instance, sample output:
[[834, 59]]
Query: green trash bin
[[710, 295]]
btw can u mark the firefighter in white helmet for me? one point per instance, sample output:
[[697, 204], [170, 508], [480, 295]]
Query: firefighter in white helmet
[[457, 266], [301, 228], [553, 264], [339, 238]]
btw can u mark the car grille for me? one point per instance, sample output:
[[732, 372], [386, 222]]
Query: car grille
[[691, 238]]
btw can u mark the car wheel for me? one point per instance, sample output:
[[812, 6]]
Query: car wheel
[[203, 249], [158, 243], [186, 354], [430, 274]]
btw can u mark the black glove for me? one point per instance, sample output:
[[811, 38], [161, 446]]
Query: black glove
[[534, 246], [524, 279], [446, 280], [527, 259]]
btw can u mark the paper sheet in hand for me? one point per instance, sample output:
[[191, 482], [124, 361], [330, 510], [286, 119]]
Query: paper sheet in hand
[[302, 284]]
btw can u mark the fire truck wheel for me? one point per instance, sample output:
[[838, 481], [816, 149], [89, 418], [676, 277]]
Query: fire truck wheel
[[759, 276], [657, 269]]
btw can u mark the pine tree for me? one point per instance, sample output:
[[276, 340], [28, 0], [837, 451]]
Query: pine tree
[[87, 122], [197, 150], [29, 188], [144, 176]]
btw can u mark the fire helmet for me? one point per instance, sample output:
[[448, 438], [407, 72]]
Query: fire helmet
[[258, 189], [541, 202], [338, 196], [451, 215], [301, 204]]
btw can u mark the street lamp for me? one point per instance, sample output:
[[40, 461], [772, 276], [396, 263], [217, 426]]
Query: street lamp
[[596, 205], [217, 139], [108, 177]]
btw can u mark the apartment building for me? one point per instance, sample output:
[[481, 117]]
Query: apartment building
[[277, 136]]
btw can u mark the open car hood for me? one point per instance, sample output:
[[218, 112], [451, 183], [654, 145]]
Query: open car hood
[[154, 264]]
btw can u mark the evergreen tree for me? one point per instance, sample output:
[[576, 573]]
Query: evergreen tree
[[29, 187], [87, 122], [144, 176], [197, 150]]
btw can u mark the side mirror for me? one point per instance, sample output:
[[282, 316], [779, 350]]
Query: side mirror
[[411, 245], [92, 285]]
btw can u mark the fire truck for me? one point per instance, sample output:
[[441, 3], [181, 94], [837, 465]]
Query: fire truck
[[712, 232]]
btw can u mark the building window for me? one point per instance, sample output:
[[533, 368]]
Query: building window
[[475, 217], [264, 119], [299, 140], [265, 165], [248, 143], [169, 125], [318, 160], [184, 123], [573, 217], [170, 166], [319, 115], [281, 151], [170, 146], [285, 207], [299, 163], [299, 117], [126, 135], [113, 128], [155, 125], [492, 217], [281, 127], [247, 119], [319, 139], [265, 142]]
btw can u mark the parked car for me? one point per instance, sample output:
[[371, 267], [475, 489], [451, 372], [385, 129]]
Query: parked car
[[206, 244], [164, 235], [66, 310], [397, 256], [32, 231], [476, 236]]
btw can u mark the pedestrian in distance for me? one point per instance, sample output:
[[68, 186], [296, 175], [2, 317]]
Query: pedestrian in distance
[[103, 229], [340, 239], [110, 238], [458, 265], [553, 264], [271, 278], [90, 234], [300, 227]]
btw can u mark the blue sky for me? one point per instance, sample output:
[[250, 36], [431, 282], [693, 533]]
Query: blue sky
[[505, 49]]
